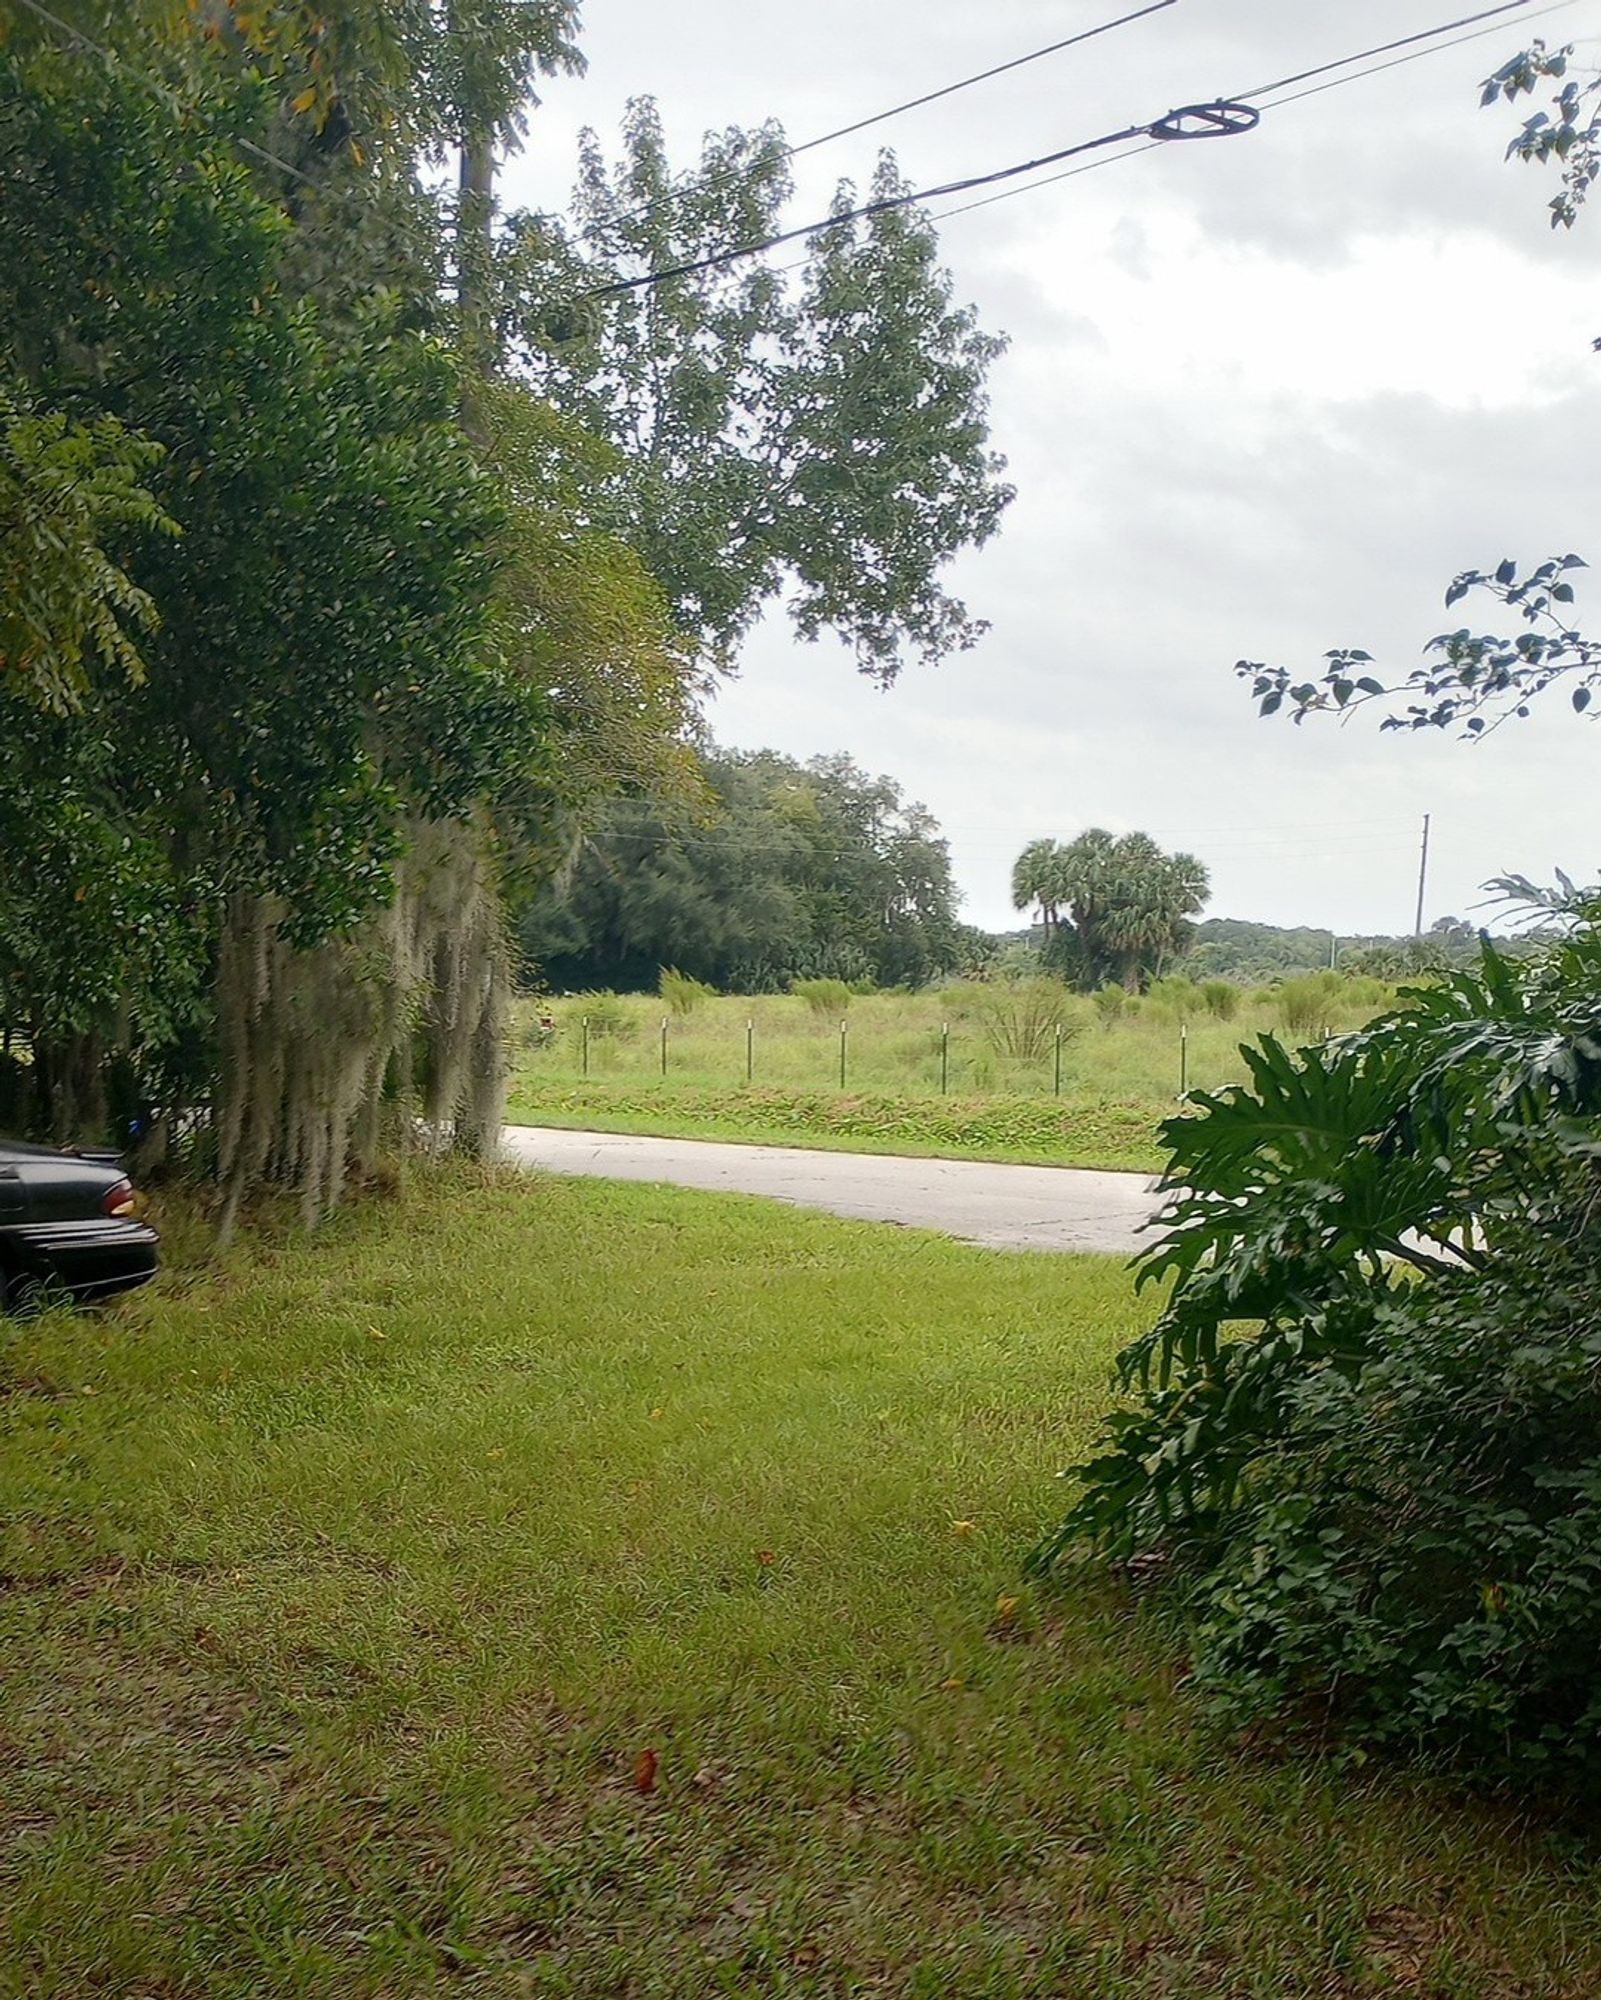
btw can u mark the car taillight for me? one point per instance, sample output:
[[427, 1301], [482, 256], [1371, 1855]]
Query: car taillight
[[119, 1200]]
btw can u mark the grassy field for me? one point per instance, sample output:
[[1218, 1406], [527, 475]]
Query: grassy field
[[344, 1591], [923, 1073]]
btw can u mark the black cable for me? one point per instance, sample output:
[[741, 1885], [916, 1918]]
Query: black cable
[[1317, 90], [721, 258], [1160, 130], [711, 181], [1399, 62], [1388, 48]]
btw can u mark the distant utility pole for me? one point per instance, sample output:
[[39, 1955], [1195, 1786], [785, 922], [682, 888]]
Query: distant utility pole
[[1423, 874]]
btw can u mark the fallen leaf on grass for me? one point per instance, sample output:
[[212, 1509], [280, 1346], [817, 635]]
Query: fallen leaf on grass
[[963, 1527], [646, 1766], [1009, 1622]]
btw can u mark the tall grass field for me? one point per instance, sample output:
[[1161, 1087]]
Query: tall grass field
[[1023, 1071]]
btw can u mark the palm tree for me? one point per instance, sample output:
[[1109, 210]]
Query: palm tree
[[1037, 879], [1131, 906]]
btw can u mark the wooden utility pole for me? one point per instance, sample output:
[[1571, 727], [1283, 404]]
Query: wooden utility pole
[[1423, 874]]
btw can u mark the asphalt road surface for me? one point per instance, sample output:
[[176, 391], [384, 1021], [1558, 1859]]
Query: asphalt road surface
[[997, 1207]]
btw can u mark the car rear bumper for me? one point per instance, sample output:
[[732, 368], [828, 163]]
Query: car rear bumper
[[89, 1259]]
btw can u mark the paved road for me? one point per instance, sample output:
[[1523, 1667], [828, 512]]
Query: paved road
[[998, 1207]]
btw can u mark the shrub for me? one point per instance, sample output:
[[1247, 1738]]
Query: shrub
[[829, 999], [1111, 1004], [1174, 999], [535, 1024], [1018, 960], [1221, 998], [1366, 995], [1378, 1489], [1021, 1018], [1306, 1006], [683, 994], [610, 1018], [1474, 1421]]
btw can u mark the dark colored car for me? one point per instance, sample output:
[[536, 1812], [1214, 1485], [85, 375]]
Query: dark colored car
[[67, 1225]]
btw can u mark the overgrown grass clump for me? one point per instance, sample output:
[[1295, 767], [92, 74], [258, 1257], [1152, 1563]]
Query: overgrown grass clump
[[346, 1587]]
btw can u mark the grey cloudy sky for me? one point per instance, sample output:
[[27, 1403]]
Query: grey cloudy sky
[[1263, 397]]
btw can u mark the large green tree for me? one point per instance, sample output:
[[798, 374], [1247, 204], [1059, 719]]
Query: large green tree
[[779, 871], [824, 439], [352, 624]]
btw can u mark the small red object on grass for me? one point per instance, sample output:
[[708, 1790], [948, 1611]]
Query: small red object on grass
[[646, 1766]]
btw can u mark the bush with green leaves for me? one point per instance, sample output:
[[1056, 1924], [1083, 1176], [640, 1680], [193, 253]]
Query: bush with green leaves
[[1364, 1437], [1174, 999], [608, 1016], [1307, 1006], [829, 999], [1221, 998], [1111, 1003]]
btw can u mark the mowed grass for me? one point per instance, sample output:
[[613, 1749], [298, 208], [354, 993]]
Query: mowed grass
[[345, 1587], [921, 1075], [1078, 1131]]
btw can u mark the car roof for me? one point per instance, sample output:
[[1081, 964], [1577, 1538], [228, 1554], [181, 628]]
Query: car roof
[[20, 1149]]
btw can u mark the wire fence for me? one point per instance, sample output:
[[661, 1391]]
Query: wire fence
[[951, 1059]]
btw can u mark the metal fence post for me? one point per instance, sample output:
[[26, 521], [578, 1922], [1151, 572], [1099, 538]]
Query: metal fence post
[[1058, 1060], [664, 1045], [1184, 1059], [750, 1051], [844, 1030], [585, 1041], [945, 1060]]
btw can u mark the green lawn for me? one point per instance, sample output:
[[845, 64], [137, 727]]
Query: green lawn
[[343, 1588], [1080, 1130]]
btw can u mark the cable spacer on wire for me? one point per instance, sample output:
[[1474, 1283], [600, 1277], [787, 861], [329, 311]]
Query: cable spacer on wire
[[1222, 120]]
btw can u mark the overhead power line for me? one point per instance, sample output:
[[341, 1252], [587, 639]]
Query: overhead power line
[[1279, 104], [1387, 48], [1219, 118], [708, 182], [1194, 121]]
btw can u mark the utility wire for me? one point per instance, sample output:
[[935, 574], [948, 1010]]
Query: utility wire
[[1279, 104], [933, 97], [1399, 62], [1220, 118], [719, 260], [1387, 48], [716, 180]]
